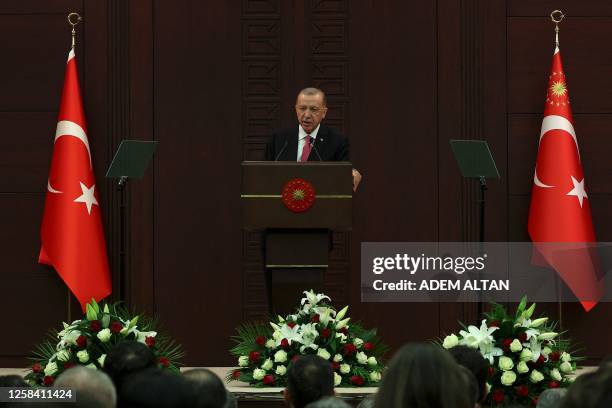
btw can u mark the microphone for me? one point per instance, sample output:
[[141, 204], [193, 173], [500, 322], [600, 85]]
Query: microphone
[[282, 150], [312, 144]]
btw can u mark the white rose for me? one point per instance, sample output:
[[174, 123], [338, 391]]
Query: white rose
[[555, 374], [51, 369], [243, 361], [358, 342], [566, 357], [337, 379], [258, 374], [508, 378], [450, 341], [104, 335], [345, 368], [506, 363], [546, 351], [91, 365], [63, 355], [522, 367], [267, 364], [281, 370], [337, 358], [516, 346], [375, 376], [101, 360], [536, 376], [280, 356], [566, 367], [362, 358], [372, 361], [526, 355], [83, 356], [323, 354], [270, 344]]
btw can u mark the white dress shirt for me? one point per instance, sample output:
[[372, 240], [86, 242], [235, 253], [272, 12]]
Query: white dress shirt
[[302, 139]]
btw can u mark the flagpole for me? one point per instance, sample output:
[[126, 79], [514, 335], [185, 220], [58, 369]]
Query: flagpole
[[73, 20], [556, 17]]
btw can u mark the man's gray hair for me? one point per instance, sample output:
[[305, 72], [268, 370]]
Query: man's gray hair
[[314, 91], [93, 388], [551, 398], [328, 402]]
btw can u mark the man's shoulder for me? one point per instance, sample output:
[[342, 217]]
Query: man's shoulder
[[331, 132]]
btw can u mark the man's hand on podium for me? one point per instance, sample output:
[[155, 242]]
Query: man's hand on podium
[[356, 179]]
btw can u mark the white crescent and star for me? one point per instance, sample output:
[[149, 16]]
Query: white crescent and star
[[87, 197], [69, 128], [578, 190]]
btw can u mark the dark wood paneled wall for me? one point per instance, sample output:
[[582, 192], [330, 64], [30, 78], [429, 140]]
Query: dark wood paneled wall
[[210, 80]]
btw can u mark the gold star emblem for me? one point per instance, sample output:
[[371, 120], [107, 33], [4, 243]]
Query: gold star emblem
[[298, 195], [558, 88]]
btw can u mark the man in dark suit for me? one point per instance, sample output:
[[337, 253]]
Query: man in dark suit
[[310, 140]]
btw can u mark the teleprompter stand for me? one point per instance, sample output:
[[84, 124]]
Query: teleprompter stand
[[476, 162], [130, 162]]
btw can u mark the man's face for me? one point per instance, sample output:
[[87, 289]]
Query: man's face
[[310, 111]]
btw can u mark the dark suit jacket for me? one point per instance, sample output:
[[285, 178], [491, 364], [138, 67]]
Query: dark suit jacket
[[330, 145]]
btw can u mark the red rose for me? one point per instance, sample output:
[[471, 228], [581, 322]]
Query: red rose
[[522, 390], [343, 330], [335, 365], [491, 371], [68, 364], [291, 324], [555, 356], [236, 374], [36, 368], [150, 341], [253, 356], [534, 401], [349, 349], [164, 362], [268, 379], [541, 360], [325, 333], [81, 341], [498, 396], [522, 337], [48, 380], [553, 384], [284, 343], [261, 340], [357, 380], [115, 327], [368, 346], [494, 323], [315, 318], [95, 326], [506, 344]]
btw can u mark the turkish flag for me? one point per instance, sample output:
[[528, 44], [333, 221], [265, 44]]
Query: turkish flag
[[560, 209], [72, 234]]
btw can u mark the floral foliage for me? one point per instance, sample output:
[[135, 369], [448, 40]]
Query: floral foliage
[[266, 351], [527, 356], [87, 341]]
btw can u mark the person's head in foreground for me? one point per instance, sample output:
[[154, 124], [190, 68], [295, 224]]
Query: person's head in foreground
[[209, 388], [155, 387], [423, 376], [92, 388], [591, 390], [328, 402], [126, 358], [309, 378], [474, 361], [551, 398]]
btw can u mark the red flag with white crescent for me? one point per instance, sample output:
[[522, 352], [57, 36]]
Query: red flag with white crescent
[[560, 209], [72, 235]]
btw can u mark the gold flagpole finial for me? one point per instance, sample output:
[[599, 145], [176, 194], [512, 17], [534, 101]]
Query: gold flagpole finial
[[73, 20], [557, 16]]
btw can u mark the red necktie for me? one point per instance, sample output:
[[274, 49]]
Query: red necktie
[[306, 149]]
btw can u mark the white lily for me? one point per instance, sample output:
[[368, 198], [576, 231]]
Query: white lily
[[313, 298], [291, 334], [489, 351], [475, 336], [341, 313], [342, 323]]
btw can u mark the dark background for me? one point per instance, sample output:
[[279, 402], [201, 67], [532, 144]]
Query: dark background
[[211, 79]]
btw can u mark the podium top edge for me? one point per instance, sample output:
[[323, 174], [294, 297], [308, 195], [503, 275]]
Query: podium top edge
[[295, 163]]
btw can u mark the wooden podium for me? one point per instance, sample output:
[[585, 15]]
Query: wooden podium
[[296, 205]]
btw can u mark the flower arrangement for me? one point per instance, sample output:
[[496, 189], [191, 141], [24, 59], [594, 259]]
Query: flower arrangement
[[86, 342], [526, 356], [266, 351]]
